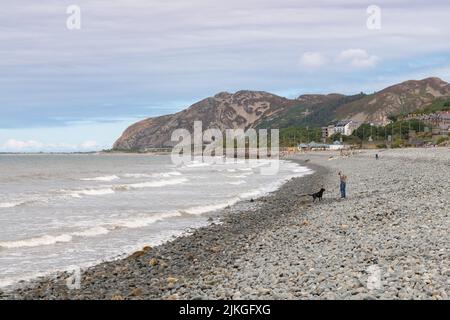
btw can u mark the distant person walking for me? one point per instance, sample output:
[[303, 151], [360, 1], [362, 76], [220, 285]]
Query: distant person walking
[[343, 183], [376, 156]]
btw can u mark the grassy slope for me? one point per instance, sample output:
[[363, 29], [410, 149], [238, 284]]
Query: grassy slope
[[321, 113]]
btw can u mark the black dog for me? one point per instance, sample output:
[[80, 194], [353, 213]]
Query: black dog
[[318, 195]]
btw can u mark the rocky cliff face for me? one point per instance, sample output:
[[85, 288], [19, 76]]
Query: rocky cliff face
[[243, 109], [257, 109]]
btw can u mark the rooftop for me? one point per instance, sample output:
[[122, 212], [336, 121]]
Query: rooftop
[[342, 123]]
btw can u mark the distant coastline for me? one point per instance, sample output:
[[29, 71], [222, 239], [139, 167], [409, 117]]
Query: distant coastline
[[47, 153]]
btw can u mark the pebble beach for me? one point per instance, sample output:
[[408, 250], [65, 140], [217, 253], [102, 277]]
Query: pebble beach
[[389, 239]]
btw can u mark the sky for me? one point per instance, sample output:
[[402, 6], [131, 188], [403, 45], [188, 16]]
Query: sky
[[73, 78]]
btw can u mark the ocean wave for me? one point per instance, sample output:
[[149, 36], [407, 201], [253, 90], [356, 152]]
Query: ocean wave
[[168, 174], [107, 190], [263, 191], [174, 173], [153, 184], [236, 183], [143, 221], [37, 241], [11, 204], [137, 175], [251, 194], [136, 222], [211, 207], [152, 175], [238, 176], [92, 192], [91, 232], [104, 178], [196, 164], [301, 170]]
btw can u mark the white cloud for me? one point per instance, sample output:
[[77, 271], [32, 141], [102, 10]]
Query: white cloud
[[313, 59], [127, 54], [357, 58], [14, 145], [91, 144]]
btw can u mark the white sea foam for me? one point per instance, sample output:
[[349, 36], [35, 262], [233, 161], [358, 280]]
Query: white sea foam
[[49, 239], [152, 175], [125, 187], [135, 222], [158, 183], [92, 192], [251, 194], [168, 174], [143, 221], [95, 231], [236, 183], [301, 170], [37, 241], [138, 175], [212, 207], [196, 164], [174, 173], [104, 178], [10, 204], [239, 176]]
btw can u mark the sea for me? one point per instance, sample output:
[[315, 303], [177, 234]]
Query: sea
[[67, 211]]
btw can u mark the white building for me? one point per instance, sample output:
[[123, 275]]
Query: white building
[[336, 146], [345, 127]]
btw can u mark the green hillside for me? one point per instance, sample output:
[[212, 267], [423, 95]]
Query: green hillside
[[310, 114]]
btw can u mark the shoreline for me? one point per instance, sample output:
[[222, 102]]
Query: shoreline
[[29, 284], [387, 240]]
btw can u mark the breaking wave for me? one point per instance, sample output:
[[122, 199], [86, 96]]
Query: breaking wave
[[11, 204], [236, 183], [135, 222], [150, 184], [104, 178], [212, 207], [92, 192]]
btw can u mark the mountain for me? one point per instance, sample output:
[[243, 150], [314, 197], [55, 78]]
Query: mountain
[[243, 109], [258, 109], [403, 98]]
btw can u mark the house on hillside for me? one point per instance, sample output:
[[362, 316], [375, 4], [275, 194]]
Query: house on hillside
[[345, 127], [439, 121]]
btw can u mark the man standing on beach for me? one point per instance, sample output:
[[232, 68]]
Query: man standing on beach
[[343, 183]]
